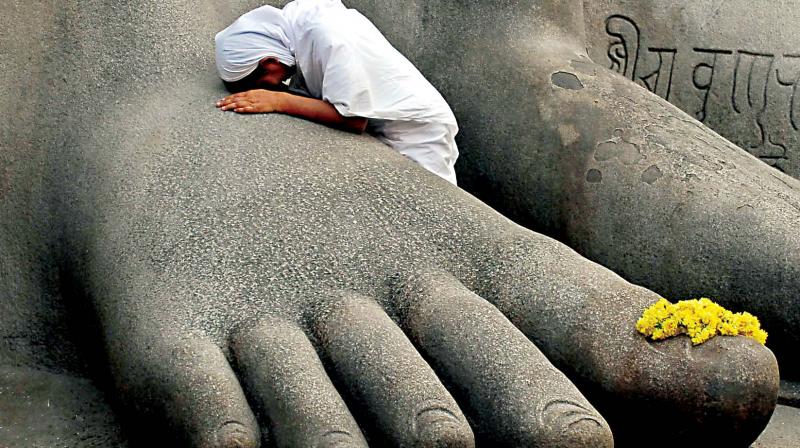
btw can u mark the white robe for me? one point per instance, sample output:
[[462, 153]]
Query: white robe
[[347, 62]]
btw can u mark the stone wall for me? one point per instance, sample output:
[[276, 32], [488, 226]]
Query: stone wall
[[733, 65]]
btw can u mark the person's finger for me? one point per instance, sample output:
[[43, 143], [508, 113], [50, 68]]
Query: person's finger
[[186, 384], [243, 106], [512, 393], [396, 396], [230, 106], [288, 385]]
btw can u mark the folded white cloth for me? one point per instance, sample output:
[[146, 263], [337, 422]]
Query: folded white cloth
[[347, 62], [252, 37]]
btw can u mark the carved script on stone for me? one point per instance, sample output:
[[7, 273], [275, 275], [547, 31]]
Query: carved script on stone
[[751, 93]]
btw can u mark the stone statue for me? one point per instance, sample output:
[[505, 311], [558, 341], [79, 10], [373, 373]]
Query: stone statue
[[242, 280], [618, 174], [734, 70]]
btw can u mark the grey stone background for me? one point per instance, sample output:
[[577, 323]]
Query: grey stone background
[[100, 77], [734, 65]]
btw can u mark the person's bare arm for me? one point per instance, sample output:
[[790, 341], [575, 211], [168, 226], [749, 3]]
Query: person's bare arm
[[267, 101]]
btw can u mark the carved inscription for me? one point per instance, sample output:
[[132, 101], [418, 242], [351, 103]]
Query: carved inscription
[[703, 77], [624, 54], [749, 96]]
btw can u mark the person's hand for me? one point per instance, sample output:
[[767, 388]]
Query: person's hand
[[258, 101]]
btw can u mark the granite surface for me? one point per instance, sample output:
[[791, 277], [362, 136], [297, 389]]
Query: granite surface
[[229, 280]]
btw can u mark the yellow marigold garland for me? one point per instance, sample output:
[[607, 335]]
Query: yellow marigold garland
[[700, 319]]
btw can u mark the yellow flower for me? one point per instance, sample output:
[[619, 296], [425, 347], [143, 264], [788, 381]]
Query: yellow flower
[[700, 319]]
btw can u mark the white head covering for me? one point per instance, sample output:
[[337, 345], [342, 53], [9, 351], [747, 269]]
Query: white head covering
[[256, 35]]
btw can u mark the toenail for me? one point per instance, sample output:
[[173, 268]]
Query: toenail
[[565, 414], [236, 435], [573, 422], [336, 439], [435, 415], [438, 426]]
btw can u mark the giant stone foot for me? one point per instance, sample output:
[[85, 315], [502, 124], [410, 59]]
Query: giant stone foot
[[359, 275], [225, 256], [266, 279], [736, 72], [567, 147], [46, 399]]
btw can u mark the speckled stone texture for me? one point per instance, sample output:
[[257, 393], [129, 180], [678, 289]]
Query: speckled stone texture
[[264, 280], [782, 431], [617, 173], [733, 65], [46, 397], [40, 409], [789, 393]]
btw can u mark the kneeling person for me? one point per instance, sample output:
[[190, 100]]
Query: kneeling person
[[352, 76]]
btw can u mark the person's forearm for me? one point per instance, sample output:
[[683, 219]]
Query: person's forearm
[[319, 111]]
